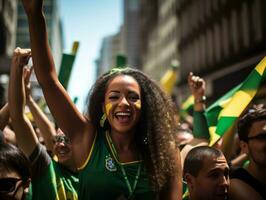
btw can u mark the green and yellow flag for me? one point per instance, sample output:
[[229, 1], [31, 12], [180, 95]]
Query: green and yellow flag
[[222, 115], [187, 106], [168, 80], [67, 65]]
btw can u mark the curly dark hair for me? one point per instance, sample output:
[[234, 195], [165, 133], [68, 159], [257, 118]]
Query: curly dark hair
[[246, 121], [156, 125]]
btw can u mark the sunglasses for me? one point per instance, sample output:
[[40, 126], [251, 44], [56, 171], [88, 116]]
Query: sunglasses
[[9, 185], [258, 137], [61, 138]]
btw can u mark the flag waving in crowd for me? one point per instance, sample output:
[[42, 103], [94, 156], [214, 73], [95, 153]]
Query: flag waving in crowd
[[225, 111], [168, 80]]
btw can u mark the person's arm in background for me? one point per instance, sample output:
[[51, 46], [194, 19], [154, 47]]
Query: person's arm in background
[[4, 116], [9, 136], [200, 128], [41, 167], [26, 138], [43, 123], [197, 87], [239, 160]]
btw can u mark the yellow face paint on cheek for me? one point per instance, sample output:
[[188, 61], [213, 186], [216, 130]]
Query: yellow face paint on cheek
[[108, 107], [138, 104]]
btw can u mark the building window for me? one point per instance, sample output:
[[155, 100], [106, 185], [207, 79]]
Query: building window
[[209, 47], [256, 20], [22, 22], [217, 42], [133, 5], [225, 38], [245, 25], [234, 31], [204, 50]]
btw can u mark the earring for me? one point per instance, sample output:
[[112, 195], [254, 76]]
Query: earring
[[102, 120]]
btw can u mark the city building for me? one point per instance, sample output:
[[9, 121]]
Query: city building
[[131, 32], [54, 29], [55, 34], [105, 60], [162, 43], [220, 40], [112, 46], [8, 25]]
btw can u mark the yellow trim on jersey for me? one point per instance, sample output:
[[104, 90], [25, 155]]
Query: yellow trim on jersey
[[55, 158], [89, 156], [109, 143], [130, 162]]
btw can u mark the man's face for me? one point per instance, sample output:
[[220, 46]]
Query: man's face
[[62, 148], [212, 181], [11, 185], [257, 143]]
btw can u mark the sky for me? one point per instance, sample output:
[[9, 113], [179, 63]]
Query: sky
[[87, 21]]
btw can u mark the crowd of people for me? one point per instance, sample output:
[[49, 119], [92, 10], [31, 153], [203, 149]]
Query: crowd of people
[[131, 144]]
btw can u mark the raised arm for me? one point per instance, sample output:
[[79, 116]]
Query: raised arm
[[77, 127], [70, 120], [25, 135], [43, 123], [4, 116], [197, 88]]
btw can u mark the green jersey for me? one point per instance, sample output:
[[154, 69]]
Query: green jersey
[[101, 176], [52, 180]]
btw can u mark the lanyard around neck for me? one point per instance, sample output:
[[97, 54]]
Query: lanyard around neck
[[130, 189]]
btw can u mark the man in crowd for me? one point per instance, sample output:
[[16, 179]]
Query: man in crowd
[[207, 174], [250, 182]]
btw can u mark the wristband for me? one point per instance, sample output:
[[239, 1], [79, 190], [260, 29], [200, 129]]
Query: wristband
[[200, 126], [200, 100]]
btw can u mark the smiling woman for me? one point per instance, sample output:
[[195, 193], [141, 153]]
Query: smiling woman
[[125, 147], [139, 131], [122, 103]]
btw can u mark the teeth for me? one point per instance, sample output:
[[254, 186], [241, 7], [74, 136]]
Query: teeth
[[122, 114]]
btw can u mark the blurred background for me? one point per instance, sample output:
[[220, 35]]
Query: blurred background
[[220, 40]]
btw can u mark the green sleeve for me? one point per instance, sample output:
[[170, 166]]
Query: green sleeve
[[200, 127]]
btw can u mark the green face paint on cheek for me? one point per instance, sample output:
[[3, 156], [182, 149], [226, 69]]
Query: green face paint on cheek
[[108, 107]]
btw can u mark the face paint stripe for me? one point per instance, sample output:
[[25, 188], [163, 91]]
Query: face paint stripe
[[138, 104], [108, 107]]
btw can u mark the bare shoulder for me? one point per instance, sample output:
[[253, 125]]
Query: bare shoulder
[[240, 190]]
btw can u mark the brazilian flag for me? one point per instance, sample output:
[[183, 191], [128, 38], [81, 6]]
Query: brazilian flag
[[67, 65], [168, 80], [187, 107], [222, 115]]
